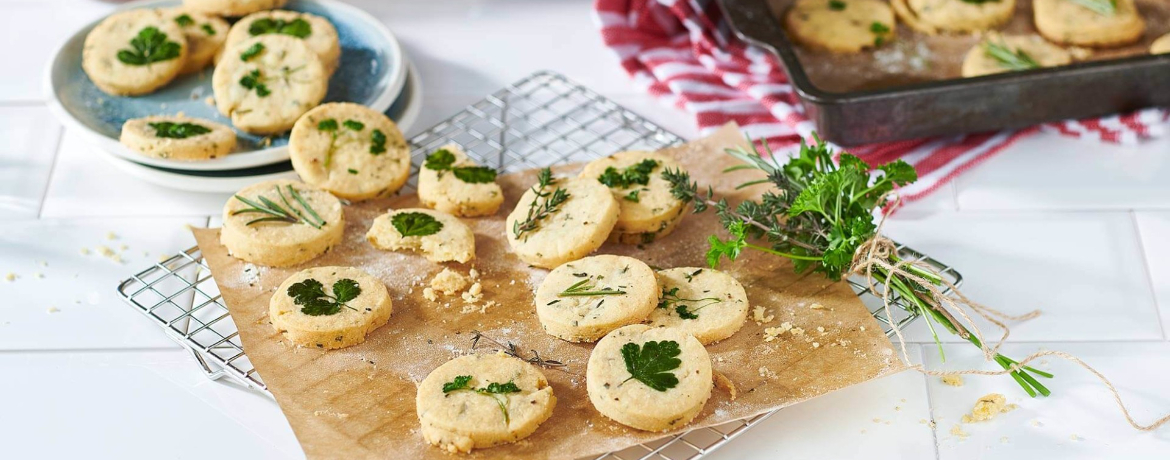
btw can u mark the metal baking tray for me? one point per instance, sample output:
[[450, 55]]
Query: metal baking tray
[[921, 108]]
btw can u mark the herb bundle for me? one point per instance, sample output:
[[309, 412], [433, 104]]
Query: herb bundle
[[275, 212], [820, 216], [494, 390], [543, 206]]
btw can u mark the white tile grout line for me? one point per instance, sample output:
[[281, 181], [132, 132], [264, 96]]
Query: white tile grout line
[[930, 406], [1137, 230], [52, 168]]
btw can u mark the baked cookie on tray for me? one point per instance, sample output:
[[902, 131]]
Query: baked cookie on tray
[[931, 16], [706, 303], [315, 31], [451, 182], [266, 83], [840, 26], [1161, 45], [479, 401], [329, 307], [649, 378], [583, 300], [1007, 53], [231, 8], [177, 137], [648, 210], [560, 220], [205, 36], [438, 236], [1111, 23], [350, 150], [281, 223], [134, 52]]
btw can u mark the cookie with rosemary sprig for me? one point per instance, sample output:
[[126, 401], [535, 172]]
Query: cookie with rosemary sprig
[[706, 303], [281, 223], [329, 307], [438, 236], [583, 300], [1092, 23], [649, 378], [647, 209], [1009, 53], [480, 401], [350, 150], [451, 182], [560, 219]]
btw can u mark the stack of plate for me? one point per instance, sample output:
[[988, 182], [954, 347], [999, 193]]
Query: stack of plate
[[373, 72]]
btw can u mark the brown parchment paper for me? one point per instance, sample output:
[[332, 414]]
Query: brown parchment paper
[[358, 402]]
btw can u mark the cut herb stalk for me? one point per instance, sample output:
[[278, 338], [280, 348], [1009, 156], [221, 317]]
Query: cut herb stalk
[[819, 214]]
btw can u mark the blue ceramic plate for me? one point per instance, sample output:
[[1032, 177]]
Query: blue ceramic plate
[[372, 72]]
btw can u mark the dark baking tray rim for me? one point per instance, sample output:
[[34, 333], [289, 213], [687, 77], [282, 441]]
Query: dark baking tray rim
[[744, 18]]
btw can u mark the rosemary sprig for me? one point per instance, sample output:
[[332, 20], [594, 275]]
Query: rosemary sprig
[[275, 212], [585, 288], [512, 350], [1014, 60], [545, 204], [1101, 7]]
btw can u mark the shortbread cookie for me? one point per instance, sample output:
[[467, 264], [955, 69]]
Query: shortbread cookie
[[178, 137], [350, 150], [649, 378], [560, 220], [439, 237], [648, 209], [706, 303], [1007, 53], [329, 307], [450, 182], [479, 401], [267, 82], [205, 36], [1070, 23], [134, 52], [840, 26], [231, 8], [1161, 45], [583, 300], [930, 16], [316, 31], [281, 223]]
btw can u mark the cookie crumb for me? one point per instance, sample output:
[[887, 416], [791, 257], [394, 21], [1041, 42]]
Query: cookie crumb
[[988, 407], [953, 380], [10, 277], [957, 430], [760, 316]]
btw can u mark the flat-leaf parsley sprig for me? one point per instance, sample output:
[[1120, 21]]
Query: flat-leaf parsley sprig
[[443, 160], [670, 298], [310, 295], [819, 215], [496, 391], [544, 205], [284, 211], [652, 363]]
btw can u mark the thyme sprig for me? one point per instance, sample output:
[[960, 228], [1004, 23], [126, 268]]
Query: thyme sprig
[[818, 213], [512, 350], [586, 288], [275, 212], [543, 206]]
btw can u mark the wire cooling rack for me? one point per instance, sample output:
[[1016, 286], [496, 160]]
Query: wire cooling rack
[[541, 120]]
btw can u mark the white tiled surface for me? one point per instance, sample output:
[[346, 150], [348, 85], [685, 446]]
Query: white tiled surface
[[1076, 229]]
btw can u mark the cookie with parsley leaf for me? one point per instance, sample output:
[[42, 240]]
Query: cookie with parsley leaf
[[841, 26], [205, 35], [317, 32], [329, 307], [438, 236], [353, 151], [451, 182], [134, 52], [266, 83], [178, 138], [649, 378], [708, 304], [648, 210]]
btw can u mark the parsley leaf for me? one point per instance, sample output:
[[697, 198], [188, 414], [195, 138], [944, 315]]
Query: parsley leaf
[[297, 27], [684, 313], [439, 160], [633, 195], [377, 142], [461, 382], [184, 20], [207, 29], [494, 390], [253, 80], [310, 295], [354, 125], [148, 47], [836, 5], [652, 362], [252, 51], [671, 298], [502, 388], [327, 125], [638, 174], [475, 174], [415, 224], [171, 130]]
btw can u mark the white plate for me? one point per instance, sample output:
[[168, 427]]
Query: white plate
[[372, 72], [405, 112]]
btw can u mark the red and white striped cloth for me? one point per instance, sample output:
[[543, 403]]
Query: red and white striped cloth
[[683, 52]]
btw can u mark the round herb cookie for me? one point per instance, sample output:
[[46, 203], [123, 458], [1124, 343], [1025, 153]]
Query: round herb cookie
[[648, 209], [266, 83], [349, 150], [450, 182], [479, 401], [205, 36], [649, 378], [178, 138], [329, 307], [438, 236], [1006, 53], [1072, 23], [134, 52], [930, 16], [316, 31], [583, 300], [231, 8], [840, 26], [281, 223], [706, 303], [560, 220]]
